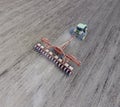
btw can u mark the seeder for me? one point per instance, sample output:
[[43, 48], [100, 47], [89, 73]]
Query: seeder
[[57, 55]]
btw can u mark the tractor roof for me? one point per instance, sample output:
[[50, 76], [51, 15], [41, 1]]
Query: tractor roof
[[80, 25]]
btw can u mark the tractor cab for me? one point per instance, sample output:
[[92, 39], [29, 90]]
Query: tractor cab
[[81, 28]]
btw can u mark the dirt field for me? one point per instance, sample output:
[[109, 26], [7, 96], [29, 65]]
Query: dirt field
[[30, 80]]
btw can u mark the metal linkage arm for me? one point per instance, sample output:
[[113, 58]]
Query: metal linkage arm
[[67, 43], [73, 59], [46, 41]]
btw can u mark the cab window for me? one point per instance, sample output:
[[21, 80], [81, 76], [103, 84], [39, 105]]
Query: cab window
[[79, 29]]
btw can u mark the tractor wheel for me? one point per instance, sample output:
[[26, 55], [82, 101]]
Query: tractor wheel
[[72, 31], [83, 38]]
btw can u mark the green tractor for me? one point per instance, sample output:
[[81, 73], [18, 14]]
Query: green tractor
[[80, 31]]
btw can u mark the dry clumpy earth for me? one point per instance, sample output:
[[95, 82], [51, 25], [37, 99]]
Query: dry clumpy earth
[[30, 80]]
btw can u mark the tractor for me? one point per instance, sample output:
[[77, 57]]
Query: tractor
[[80, 31]]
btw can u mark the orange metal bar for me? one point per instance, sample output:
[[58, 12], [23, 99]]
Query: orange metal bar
[[67, 43], [72, 58], [46, 42]]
